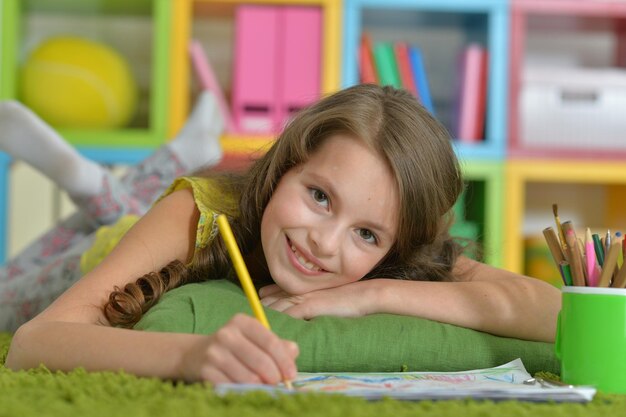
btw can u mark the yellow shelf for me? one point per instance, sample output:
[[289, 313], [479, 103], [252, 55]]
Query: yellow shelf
[[246, 144], [568, 171]]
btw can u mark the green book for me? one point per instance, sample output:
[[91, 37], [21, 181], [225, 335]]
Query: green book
[[386, 65]]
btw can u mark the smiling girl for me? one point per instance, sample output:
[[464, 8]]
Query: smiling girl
[[347, 214]]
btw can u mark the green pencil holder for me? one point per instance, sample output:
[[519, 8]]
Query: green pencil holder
[[591, 338]]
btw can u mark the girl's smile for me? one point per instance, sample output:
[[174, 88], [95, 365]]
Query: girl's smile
[[331, 219], [306, 263]]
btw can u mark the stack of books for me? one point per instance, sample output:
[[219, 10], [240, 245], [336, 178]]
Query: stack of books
[[402, 66]]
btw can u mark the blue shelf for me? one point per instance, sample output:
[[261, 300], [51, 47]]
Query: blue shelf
[[430, 5], [486, 150], [496, 13]]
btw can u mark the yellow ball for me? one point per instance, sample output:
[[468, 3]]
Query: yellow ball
[[78, 83]]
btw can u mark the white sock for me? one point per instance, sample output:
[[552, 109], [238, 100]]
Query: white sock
[[23, 135], [197, 145]]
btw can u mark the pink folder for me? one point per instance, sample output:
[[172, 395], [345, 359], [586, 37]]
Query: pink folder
[[254, 82], [299, 68]]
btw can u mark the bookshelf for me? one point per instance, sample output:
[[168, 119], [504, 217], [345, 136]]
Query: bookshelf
[[174, 24], [510, 185]]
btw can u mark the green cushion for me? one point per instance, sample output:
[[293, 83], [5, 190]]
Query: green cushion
[[378, 342]]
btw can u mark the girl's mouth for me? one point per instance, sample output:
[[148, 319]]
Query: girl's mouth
[[302, 260]]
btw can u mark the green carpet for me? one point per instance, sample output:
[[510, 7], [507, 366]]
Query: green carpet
[[78, 393]]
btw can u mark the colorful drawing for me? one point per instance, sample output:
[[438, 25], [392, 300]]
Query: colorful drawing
[[411, 381], [502, 382]]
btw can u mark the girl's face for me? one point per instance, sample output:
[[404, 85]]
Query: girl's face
[[331, 219]]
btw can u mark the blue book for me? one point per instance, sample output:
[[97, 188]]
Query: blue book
[[421, 80]]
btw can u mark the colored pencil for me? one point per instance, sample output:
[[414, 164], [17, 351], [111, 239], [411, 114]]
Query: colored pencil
[[620, 258], [597, 244], [607, 242], [554, 246], [620, 279], [559, 227], [575, 257], [590, 259], [243, 274], [566, 272], [609, 265]]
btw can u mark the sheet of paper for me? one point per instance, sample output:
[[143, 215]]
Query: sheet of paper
[[502, 382]]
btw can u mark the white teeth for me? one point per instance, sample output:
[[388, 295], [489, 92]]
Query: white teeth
[[308, 265]]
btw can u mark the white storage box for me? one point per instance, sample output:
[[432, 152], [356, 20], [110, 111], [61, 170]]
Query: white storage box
[[573, 108]]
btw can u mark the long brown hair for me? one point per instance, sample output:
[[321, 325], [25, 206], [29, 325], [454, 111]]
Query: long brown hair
[[414, 144]]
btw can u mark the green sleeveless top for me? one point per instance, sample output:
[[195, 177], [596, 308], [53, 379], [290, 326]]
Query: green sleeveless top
[[206, 194]]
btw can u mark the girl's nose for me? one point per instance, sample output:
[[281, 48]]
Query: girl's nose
[[325, 238]]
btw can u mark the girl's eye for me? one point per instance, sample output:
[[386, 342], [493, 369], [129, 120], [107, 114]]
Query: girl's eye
[[367, 236], [319, 196]]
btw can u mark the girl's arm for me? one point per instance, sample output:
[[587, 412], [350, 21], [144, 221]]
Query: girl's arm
[[73, 330], [483, 298]]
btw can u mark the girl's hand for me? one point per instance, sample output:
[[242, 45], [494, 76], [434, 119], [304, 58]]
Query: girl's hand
[[242, 351], [350, 300]]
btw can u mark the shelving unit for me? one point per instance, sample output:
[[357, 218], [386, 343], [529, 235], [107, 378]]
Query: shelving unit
[[509, 191]]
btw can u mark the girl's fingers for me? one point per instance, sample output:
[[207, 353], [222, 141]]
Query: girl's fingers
[[269, 290], [213, 375], [269, 356], [297, 311], [234, 370], [280, 304], [269, 300]]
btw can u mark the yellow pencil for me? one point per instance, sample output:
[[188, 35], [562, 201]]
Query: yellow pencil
[[243, 275]]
